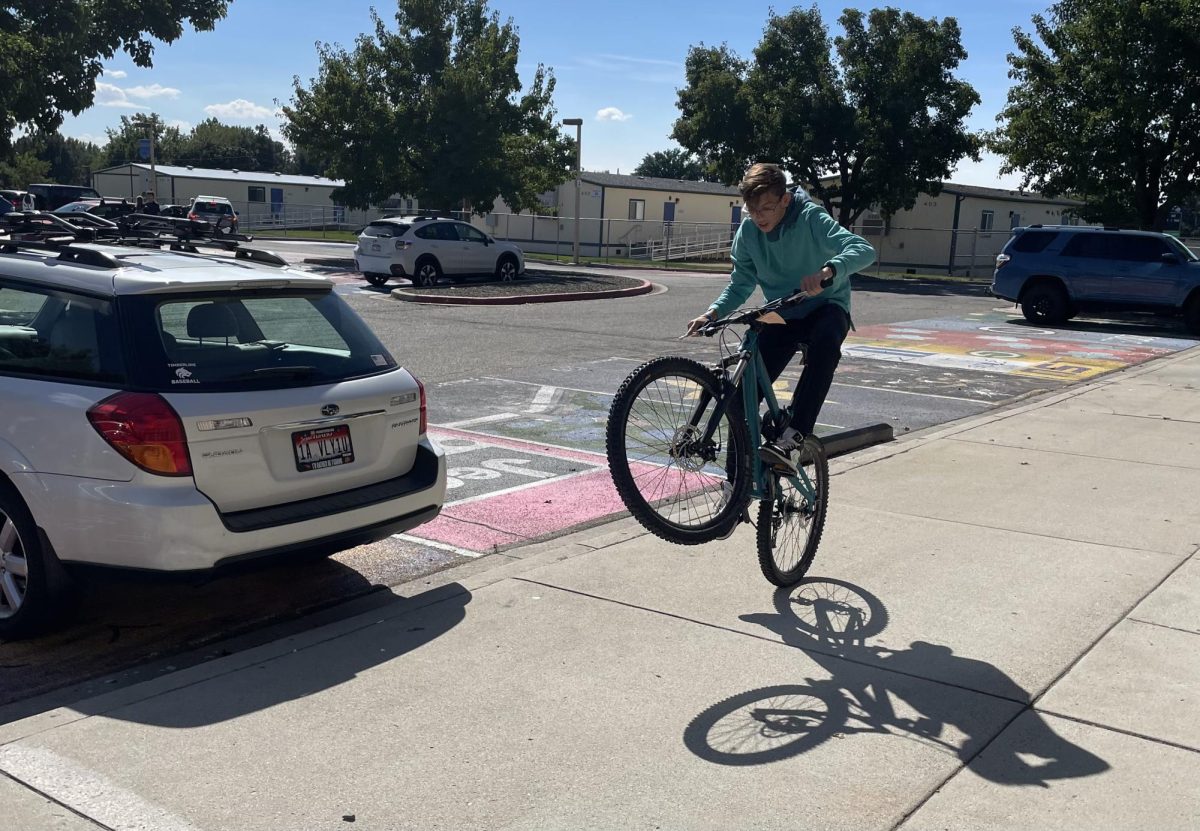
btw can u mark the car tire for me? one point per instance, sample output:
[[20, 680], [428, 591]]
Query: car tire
[[376, 279], [34, 589], [506, 268], [1191, 313], [1045, 304], [427, 272]]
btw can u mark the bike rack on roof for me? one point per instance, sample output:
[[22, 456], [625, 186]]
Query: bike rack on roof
[[41, 230]]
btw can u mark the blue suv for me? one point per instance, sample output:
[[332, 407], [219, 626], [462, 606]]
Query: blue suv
[[1054, 272]]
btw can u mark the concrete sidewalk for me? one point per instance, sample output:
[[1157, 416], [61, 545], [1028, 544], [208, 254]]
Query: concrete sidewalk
[[999, 631]]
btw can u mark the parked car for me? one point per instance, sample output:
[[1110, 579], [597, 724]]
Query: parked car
[[19, 199], [215, 209], [175, 413], [1055, 272], [104, 207], [423, 248], [176, 211], [48, 197]]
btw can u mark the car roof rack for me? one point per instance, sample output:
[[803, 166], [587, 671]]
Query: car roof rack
[[47, 231], [66, 251]]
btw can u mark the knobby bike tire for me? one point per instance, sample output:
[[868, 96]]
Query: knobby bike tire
[[672, 417], [777, 529]]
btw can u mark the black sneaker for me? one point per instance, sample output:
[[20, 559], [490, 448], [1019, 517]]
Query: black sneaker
[[781, 453]]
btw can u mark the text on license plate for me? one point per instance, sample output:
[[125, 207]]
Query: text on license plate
[[325, 447]]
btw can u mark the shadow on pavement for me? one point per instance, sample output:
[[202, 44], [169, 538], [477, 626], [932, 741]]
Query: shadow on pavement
[[1132, 325], [125, 619], [298, 673], [830, 620]]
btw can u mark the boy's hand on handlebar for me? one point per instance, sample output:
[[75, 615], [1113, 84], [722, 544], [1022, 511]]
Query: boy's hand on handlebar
[[696, 324], [811, 284]]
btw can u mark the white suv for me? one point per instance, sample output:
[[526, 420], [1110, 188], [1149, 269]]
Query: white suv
[[423, 248], [215, 209], [174, 412]]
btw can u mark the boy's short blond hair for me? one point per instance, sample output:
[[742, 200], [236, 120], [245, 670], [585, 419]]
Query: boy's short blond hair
[[762, 179]]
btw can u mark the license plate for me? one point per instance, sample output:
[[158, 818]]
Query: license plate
[[326, 447]]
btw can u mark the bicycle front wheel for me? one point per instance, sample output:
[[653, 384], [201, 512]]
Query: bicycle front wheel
[[681, 470], [791, 519]]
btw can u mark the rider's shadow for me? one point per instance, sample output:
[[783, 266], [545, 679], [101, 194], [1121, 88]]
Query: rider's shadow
[[882, 691]]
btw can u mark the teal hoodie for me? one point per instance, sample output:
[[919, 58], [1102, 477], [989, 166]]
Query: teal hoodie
[[804, 241]]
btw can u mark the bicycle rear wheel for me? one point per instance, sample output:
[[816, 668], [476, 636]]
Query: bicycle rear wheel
[[791, 519], [680, 486]]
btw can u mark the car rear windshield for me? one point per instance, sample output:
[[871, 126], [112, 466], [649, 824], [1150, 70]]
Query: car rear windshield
[[385, 229], [1033, 242], [222, 208], [256, 340]]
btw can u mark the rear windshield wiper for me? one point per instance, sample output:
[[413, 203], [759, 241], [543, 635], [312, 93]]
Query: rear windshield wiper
[[271, 371]]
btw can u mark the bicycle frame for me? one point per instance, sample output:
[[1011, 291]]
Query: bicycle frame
[[749, 374]]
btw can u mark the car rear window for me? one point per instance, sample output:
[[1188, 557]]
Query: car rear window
[[1033, 242], [264, 340], [386, 229], [222, 208]]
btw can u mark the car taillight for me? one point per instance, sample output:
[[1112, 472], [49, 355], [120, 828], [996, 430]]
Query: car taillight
[[424, 413], [1001, 259], [143, 428], [402, 244], [193, 216]]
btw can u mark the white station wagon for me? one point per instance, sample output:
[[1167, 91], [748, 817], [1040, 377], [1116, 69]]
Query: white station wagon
[[171, 412]]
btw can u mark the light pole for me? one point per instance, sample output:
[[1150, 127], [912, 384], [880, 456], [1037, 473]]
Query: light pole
[[577, 123]]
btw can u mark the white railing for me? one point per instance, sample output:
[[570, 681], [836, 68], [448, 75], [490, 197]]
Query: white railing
[[700, 246]]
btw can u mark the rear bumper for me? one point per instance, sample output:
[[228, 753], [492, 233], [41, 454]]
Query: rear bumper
[[373, 264], [168, 525]]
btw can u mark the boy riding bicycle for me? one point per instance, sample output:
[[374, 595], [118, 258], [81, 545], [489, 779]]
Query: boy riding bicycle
[[788, 242]]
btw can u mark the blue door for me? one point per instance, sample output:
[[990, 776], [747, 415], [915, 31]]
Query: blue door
[[668, 211], [735, 216], [276, 202]]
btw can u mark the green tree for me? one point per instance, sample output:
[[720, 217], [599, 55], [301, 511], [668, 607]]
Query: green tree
[[671, 164], [51, 51], [1106, 107], [69, 161], [886, 118], [23, 169], [433, 109], [225, 146], [122, 144]]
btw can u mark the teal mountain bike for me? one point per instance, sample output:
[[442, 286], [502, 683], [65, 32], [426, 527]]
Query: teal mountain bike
[[682, 442]]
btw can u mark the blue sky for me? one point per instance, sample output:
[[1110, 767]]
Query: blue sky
[[618, 63]]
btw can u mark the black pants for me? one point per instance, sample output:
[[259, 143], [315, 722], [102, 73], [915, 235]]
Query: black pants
[[822, 332]]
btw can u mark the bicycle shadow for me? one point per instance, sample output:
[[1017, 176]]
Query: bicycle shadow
[[881, 691]]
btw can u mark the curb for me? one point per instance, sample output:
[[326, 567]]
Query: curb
[[334, 262], [415, 297]]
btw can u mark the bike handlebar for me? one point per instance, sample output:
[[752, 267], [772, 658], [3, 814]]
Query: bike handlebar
[[748, 316]]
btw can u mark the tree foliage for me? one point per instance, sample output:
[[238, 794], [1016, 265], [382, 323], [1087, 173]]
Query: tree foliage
[[51, 51], [66, 160], [878, 107], [1106, 107], [671, 164], [209, 144], [433, 109], [23, 169]]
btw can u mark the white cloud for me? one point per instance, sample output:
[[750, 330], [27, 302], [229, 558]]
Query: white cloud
[[152, 91], [183, 126], [115, 73], [612, 114], [241, 110], [108, 95]]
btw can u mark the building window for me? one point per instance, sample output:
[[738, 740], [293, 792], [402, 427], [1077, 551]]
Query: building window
[[986, 219], [637, 209], [256, 193]]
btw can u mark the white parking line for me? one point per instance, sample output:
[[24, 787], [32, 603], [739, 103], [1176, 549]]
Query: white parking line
[[441, 546], [487, 419], [913, 392]]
